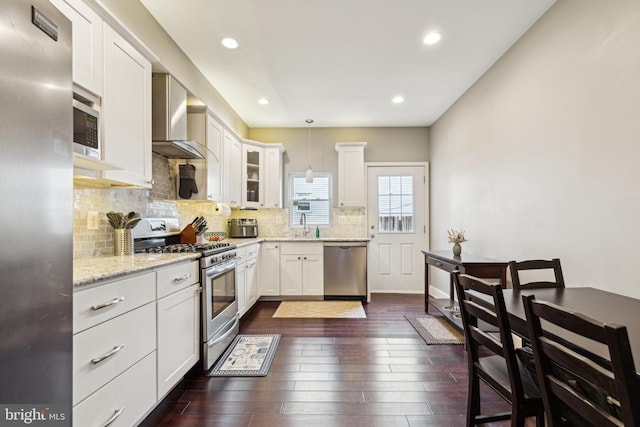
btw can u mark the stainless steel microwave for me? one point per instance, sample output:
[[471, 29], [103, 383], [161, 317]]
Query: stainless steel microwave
[[86, 128]]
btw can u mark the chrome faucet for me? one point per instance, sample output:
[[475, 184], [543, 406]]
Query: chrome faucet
[[303, 221]]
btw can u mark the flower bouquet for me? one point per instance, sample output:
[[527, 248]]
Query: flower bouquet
[[456, 237]]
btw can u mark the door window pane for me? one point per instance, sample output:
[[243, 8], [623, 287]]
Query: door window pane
[[395, 204]]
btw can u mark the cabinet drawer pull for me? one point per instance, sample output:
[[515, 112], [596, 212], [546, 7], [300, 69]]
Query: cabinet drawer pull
[[115, 416], [107, 304], [182, 278], [112, 352]]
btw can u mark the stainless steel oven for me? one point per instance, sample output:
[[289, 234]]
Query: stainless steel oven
[[220, 322]]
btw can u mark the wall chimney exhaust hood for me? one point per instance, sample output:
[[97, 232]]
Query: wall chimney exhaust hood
[[169, 120]]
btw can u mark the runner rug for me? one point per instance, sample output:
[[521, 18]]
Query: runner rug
[[321, 309], [436, 330], [247, 356]]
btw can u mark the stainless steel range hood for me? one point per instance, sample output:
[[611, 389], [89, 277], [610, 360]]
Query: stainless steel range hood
[[169, 120]]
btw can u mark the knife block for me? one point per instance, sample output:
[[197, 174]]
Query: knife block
[[188, 235]]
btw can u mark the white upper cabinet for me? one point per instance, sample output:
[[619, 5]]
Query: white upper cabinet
[[252, 176], [231, 170], [87, 43], [203, 128], [215, 139], [261, 174], [351, 174], [273, 172], [126, 110]]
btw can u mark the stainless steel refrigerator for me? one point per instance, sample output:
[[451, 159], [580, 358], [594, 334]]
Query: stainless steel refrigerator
[[36, 213]]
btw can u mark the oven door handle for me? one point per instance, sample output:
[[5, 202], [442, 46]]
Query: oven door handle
[[219, 269]]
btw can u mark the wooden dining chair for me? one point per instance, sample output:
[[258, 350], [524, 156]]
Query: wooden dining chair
[[578, 387], [491, 356], [532, 265]]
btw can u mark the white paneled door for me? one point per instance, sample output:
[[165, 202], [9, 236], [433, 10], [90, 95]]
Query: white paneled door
[[398, 223]]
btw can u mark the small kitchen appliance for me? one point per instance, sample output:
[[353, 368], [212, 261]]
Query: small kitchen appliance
[[86, 123], [243, 227]]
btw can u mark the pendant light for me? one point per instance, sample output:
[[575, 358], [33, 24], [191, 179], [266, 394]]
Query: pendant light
[[308, 176]]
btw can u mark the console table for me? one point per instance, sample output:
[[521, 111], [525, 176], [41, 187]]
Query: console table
[[475, 265]]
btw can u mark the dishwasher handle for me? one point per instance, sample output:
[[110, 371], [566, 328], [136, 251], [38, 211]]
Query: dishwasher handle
[[345, 245]]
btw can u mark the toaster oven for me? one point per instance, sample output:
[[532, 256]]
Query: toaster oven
[[243, 227]]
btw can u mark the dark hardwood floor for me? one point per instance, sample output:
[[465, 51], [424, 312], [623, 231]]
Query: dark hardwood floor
[[335, 372]]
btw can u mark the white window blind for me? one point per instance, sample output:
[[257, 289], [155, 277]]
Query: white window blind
[[395, 204], [313, 199]]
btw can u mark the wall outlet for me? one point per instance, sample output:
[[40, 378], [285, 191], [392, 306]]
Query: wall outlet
[[279, 219], [342, 220], [93, 222]]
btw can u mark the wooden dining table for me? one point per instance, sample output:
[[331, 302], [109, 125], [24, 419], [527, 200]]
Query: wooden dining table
[[604, 306]]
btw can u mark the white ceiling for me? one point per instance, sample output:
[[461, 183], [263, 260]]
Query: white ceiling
[[340, 62]]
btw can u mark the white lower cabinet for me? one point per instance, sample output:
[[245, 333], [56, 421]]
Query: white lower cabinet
[[247, 277], [178, 336], [123, 401], [105, 351], [301, 269], [178, 288], [130, 347], [269, 266]]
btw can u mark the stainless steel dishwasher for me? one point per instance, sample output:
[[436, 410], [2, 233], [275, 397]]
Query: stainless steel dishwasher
[[345, 270]]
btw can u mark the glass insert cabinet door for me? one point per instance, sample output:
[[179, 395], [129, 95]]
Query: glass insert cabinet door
[[253, 175], [395, 204]]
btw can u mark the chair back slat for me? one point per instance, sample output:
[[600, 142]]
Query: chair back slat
[[485, 339], [532, 265], [581, 366], [573, 400], [578, 387]]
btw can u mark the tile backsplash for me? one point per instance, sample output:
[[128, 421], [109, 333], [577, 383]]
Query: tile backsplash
[[271, 222]]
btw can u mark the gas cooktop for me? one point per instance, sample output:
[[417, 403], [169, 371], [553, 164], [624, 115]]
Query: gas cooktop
[[203, 248]]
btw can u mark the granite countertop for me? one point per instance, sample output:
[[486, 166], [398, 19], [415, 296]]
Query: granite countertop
[[313, 239], [90, 270], [248, 241], [93, 269]]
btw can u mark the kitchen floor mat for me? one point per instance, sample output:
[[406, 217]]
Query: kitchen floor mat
[[321, 310], [436, 329], [247, 356]]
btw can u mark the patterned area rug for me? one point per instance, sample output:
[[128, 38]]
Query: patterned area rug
[[436, 330], [321, 309], [247, 356]]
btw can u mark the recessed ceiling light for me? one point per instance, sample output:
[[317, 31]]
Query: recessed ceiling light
[[229, 43], [263, 101], [432, 38], [397, 99]]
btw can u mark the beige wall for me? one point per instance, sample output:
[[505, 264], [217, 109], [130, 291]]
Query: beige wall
[[383, 145], [135, 18], [540, 157]]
